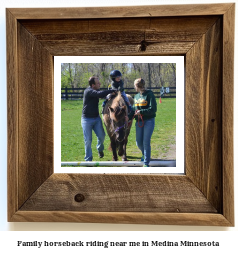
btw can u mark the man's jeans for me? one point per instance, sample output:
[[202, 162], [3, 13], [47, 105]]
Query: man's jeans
[[143, 137], [95, 124]]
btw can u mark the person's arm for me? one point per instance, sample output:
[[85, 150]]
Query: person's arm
[[131, 114], [152, 106], [100, 94]]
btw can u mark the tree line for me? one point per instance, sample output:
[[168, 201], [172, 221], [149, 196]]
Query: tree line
[[76, 75]]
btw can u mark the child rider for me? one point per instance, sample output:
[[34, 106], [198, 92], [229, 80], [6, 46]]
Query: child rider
[[117, 84]]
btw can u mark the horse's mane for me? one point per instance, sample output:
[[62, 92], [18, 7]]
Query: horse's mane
[[118, 101]]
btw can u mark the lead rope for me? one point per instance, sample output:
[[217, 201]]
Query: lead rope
[[139, 117], [141, 121]]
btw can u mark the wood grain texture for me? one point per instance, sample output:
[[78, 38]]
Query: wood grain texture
[[204, 196], [35, 111], [227, 113], [119, 36], [190, 219], [120, 12], [12, 116], [189, 26], [204, 114], [60, 48], [117, 193]]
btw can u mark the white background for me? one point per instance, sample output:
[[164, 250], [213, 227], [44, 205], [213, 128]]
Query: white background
[[9, 238]]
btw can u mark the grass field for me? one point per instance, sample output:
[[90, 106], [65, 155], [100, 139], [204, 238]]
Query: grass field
[[72, 141]]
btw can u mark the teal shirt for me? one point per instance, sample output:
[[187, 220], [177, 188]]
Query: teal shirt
[[146, 103]]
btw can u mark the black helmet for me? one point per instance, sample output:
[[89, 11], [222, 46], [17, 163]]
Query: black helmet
[[114, 74]]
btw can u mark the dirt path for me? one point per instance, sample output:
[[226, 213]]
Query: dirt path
[[171, 154], [171, 151]]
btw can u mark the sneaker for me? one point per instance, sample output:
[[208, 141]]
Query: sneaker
[[142, 158], [100, 154]]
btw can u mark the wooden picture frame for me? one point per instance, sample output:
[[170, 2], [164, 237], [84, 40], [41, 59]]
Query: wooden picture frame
[[204, 34]]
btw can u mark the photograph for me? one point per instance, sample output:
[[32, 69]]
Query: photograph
[[119, 118], [120, 115]]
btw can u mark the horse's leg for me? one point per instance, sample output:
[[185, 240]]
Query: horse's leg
[[124, 157], [120, 150], [114, 150]]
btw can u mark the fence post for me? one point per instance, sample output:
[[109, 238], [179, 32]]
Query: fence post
[[66, 93]]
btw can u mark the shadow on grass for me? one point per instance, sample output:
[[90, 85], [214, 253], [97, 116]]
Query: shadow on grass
[[133, 158]]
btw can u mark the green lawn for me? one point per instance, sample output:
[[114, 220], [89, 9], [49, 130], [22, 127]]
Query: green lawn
[[72, 141]]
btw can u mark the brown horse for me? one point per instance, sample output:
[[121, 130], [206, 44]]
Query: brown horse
[[118, 129]]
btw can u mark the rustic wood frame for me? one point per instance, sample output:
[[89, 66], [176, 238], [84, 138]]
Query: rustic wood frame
[[204, 34]]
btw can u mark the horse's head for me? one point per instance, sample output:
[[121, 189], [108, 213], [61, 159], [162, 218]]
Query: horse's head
[[118, 124]]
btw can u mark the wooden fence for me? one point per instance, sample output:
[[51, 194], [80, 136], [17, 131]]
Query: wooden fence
[[77, 93]]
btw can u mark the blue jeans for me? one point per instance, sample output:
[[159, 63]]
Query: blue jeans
[[143, 137], [89, 125], [123, 94]]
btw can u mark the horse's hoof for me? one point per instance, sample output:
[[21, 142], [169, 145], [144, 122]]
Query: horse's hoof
[[124, 159], [114, 159]]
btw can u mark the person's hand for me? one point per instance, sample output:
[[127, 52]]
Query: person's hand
[[126, 118], [113, 92], [137, 112]]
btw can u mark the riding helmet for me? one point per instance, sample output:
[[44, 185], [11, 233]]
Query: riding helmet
[[114, 74]]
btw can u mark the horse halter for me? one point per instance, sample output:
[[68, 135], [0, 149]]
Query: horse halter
[[116, 129], [121, 127]]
